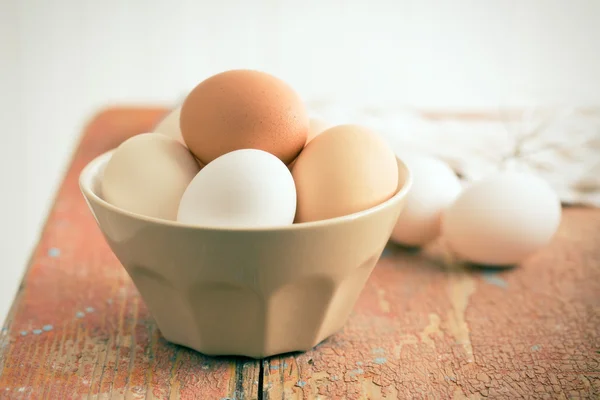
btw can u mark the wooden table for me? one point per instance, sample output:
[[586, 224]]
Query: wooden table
[[421, 329]]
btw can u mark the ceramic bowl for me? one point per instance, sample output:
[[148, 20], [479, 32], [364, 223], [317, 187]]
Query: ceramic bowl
[[249, 292]]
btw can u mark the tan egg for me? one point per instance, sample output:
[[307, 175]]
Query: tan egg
[[244, 109], [316, 126], [344, 170], [148, 174], [502, 219], [169, 126]]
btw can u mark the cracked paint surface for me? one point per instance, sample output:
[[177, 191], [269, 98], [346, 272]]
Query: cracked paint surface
[[425, 327]]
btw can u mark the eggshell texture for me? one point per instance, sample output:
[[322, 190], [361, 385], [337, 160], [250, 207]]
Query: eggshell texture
[[169, 126], [147, 174], [244, 109], [502, 219], [343, 170], [435, 186], [241, 189], [316, 127]]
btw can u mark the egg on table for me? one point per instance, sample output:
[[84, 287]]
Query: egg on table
[[502, 219], [435, 186], [244, 109], [343, 170], [147, 175], [241, 189]]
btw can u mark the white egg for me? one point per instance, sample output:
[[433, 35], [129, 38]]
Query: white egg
[[169, 126], [435, 186], [241, 189], [147, 174], [502, 219]]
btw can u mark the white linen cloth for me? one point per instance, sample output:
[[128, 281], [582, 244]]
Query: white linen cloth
[[561, 145]]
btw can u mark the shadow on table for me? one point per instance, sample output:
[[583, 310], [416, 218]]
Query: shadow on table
[[436, 258]]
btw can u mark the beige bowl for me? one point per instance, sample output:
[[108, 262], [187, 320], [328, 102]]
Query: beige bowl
[[251, 292]]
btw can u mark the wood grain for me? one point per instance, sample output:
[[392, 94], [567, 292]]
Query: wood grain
[[78, 327], [424, 326]]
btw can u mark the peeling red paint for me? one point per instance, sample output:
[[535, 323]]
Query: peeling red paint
[[102, 341]]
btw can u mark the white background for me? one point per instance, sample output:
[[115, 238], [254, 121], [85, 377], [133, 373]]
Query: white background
[[62, 60]]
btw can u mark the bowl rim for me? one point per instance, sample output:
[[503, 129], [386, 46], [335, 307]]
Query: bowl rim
[[89, 172]]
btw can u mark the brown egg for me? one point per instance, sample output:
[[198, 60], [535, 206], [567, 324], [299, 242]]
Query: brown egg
[[345, 169], [244, 109]]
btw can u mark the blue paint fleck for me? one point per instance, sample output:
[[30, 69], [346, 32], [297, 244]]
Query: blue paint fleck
[[386, 252], [356, 371], [378, 350], [109, 301], [89, 309], [492, 278], [285, 365], [380, 360], [54, 252], [334, 378], [79, 314], [536, 347], [301, 384], [47, 327], [36, 331], [359, 363], [24, 333], [274, 367], [4, 329]]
